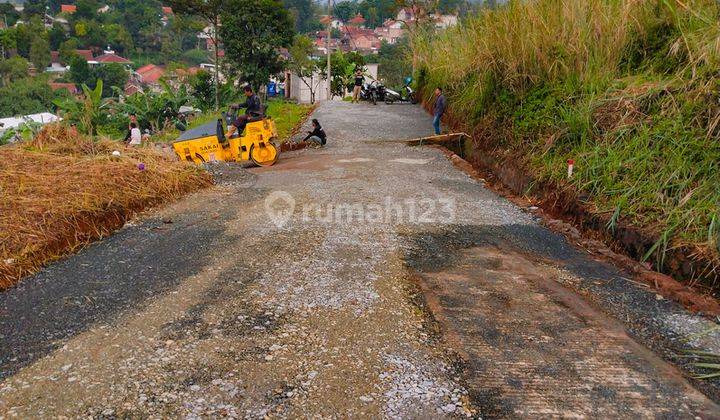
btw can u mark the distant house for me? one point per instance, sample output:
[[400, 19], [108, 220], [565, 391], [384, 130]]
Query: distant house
[[70, 87], [87, 55], [167, 14], [104, 9], [406, 15], [149, 74], [58, 66], [357, 21], [334, 22], [56, 63], [360, 39], [320, 40], [68, 9], [445, 21], [109, 56], [15, 122], [132, 87], [390, 31]]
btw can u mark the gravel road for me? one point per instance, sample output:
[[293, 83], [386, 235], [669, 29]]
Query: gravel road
[[364, 279]]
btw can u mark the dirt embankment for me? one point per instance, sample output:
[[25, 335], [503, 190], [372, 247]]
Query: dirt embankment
[[686, 276], [62, 191]]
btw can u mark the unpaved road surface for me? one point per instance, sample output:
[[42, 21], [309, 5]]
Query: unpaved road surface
[[365, 279]]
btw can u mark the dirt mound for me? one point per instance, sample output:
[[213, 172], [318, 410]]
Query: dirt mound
[[63, 190]]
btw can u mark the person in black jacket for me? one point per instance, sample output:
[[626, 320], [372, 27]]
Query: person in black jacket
[[317, 135], [253, 109]]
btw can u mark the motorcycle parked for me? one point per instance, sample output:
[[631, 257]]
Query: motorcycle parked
[[405, 95], [368, 92], [373, 92]]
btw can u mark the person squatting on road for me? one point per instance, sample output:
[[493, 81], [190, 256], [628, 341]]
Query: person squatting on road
[[253, 109], [359, 80], [317, 136], [439, 109]]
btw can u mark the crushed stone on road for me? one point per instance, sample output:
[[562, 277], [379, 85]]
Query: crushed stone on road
[[306, 306]]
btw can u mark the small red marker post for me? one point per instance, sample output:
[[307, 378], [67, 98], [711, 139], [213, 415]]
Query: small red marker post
[[571, 166]]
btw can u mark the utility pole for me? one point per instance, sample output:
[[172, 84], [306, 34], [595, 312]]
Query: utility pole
[[327, 48]]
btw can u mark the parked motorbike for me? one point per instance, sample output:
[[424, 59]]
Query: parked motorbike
[[381, 91], [373, 92], [368, 92], [405, 95]]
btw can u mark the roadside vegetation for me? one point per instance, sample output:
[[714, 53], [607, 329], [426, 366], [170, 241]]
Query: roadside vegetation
[[62, 190], [629, 90]]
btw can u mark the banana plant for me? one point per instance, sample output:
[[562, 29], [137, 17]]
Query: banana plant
[[89, 112], [155, 110]]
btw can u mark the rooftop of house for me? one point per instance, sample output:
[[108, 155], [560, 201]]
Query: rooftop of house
[[150, 73], [69, 86], [86, 54], [167, 10], [14, 122], [68, 8], [111, 57], [357, 20]]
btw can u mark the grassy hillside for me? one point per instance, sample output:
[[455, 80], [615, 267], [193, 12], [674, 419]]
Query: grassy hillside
[[629, 89]]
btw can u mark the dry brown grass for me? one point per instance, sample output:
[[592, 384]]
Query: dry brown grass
[[62, 191]]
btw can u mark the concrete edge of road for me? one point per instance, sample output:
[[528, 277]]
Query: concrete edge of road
[[664, 340]]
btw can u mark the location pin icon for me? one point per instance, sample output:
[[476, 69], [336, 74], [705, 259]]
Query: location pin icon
[[280, 206]]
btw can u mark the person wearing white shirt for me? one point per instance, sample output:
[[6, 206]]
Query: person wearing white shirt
[[135, 135]]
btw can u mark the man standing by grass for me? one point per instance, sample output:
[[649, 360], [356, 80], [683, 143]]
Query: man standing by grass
[[439, 109]]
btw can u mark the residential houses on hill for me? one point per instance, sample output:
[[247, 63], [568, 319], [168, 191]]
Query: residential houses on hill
[[356, 37]]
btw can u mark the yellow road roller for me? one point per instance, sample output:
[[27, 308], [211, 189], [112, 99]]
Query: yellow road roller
[[207, 143]]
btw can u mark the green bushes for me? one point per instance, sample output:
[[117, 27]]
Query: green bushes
[[628, 89]]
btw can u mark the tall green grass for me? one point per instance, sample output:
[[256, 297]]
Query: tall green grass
[[629, 89]]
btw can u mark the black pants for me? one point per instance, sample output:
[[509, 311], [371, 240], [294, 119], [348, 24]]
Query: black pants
[[240, 122]]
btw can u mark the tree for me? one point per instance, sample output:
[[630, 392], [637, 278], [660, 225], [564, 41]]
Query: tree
[[394, 64], [203, 89], [210, 11], [303, 65], [423, 20], [303, 13], [24, 35], [170, 46], [80, 72], [118, 38], [40, 53], [90, 33], [195, 57], [8, 14], [7, 42], [343, 70], [35, 8], [28, 95], [56, 36], [67, 50], [252, 32], [155, 110], [345, 10], [13, 69], [86, 9], [112, 75], [88, 113]]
